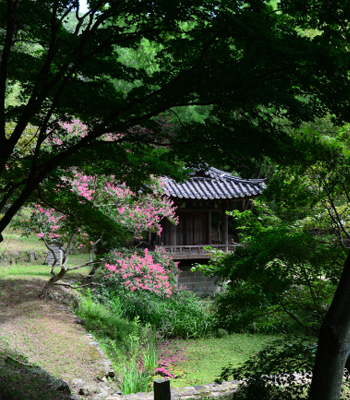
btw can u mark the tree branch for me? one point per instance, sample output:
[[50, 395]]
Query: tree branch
[[77, 287], [86, 264]]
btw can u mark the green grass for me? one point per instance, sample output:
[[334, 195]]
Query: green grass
[[13, 241], [196, 361], [204, 358], [33, 270]]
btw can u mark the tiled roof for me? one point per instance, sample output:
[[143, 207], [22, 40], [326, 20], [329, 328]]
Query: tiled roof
[[214, 184]]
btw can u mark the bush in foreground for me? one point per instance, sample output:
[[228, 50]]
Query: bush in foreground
[[183, 314]]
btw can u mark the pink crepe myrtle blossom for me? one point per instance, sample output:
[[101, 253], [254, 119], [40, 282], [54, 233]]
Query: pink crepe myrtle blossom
[[136, 212], [48, 224], [142, 271], [69, 131]]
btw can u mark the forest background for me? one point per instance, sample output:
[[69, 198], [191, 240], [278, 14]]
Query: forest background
[[167, 85]]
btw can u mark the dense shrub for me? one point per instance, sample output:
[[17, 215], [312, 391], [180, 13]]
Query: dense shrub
[[105, 324], [249, 308], [247, 311], [183, 314]]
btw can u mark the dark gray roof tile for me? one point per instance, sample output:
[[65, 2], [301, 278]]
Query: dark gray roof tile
[[215, 184]]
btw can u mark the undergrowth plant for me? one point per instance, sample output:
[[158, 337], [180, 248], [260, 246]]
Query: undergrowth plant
[[183, 314], [131, 347], [281, 371], [281, 279]]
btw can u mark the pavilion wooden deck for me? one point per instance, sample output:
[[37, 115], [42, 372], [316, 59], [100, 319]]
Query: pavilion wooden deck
[[187, 252]]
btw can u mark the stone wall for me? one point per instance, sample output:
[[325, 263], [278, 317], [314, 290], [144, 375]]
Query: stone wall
[[214, 390], [20, 257], [197, 282]]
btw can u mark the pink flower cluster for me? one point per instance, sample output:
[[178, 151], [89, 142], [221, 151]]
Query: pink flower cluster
[[136, 212], [49, 224], [142, 212], [171, 360], [47, 221], [78, 130], [141, 272], [72, 130]]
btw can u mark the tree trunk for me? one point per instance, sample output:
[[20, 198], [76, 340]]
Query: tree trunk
[[46, 289], [94, 269], [333, 344]]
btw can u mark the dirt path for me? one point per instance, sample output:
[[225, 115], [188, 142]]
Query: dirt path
[[43, 333]]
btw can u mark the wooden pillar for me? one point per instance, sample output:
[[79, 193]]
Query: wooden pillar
[[224, 228], [161, 389], [194, 228], [172, 232], [209, 228]]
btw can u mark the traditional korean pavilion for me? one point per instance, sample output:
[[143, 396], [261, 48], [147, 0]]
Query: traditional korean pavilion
[[202, 202]]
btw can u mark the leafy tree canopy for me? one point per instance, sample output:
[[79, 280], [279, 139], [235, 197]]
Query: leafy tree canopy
[[121, 65]]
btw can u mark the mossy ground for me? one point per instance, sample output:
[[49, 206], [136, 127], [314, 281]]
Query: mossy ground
[[41, 332]]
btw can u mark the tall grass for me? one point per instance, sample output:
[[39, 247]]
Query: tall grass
[[134, 379], [184, 314], [131, 347]]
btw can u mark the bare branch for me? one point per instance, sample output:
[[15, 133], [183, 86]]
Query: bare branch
[[92, 245], [10, 188], [346, 192], [308, 283], [335, 218], [68, 248], [77, 287], [86, 264], [56, 261]]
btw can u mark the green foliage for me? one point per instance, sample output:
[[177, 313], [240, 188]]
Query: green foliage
[[121, 65], [131, 347], [281, 371], [134, 379], [182, 315], [281, 279], [107, 324]]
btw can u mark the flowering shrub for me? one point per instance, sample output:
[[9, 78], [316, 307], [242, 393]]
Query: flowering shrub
[[136, 212], [49, 225], [69, 132], [142, 271], [183, 314], [105, 209]]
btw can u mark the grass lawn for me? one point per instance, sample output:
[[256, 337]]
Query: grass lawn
[[197, 362], [13, 241]]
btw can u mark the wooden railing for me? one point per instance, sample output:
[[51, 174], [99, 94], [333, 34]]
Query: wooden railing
[[197, 251]]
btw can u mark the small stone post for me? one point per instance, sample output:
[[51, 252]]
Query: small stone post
[[58, 253], [161, 389]]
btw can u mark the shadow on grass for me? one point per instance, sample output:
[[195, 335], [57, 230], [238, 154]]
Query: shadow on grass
[[21, 380], [46, 275]]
